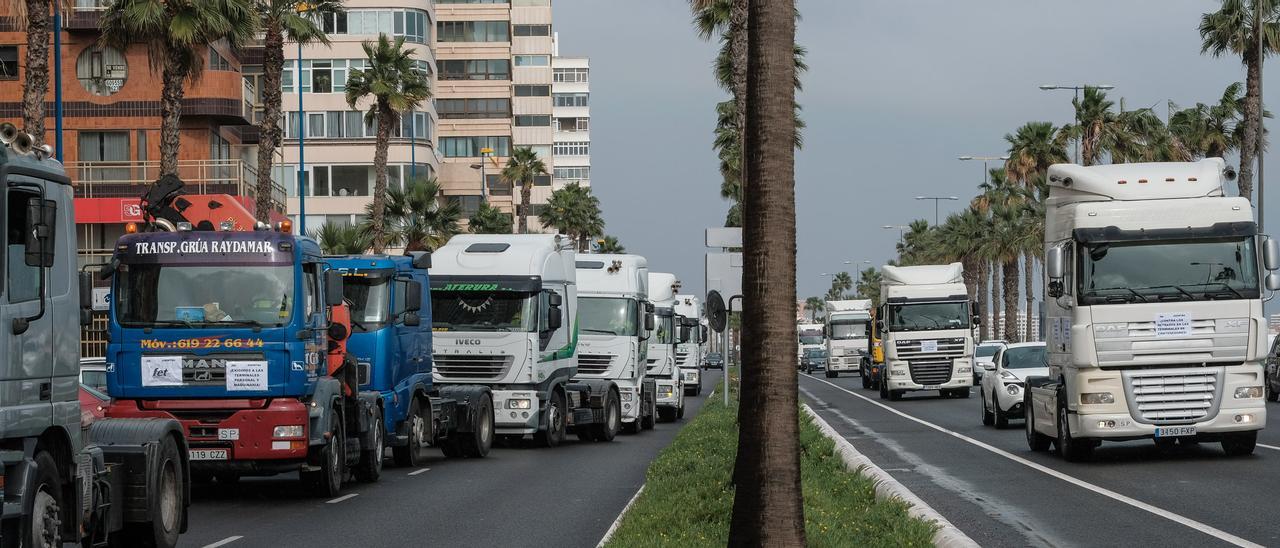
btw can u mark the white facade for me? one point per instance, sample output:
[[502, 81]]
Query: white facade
[[571, 119]]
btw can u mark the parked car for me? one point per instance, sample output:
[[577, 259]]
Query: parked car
[[92, 405], [713, 360], [1271, 374], [1004, 381], [984, 353], [93, 373], [814, 359]]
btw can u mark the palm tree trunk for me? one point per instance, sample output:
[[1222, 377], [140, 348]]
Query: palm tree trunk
[[386, 117], [996, 303], [269, 127], [1030, 295], [739, 15], [173, 77], [768, 509], [984, 329], [1010, 281], [526, 195], [1252, 110], [36, 76]]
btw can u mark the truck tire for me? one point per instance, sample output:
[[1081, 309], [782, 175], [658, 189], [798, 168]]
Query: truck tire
[[607, 430], [666, 414], [866, 379], [1035, 441], [1240, 444], [557, 421], [884, 389], [164, 505], [478, 442], [44, 528], [649, 420], [369, 468], [1271, 393], [414, 453], [1072, 449], [988, 418], [327, 481]]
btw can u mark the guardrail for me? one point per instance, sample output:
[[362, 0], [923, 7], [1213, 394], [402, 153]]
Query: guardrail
[[131, 179]]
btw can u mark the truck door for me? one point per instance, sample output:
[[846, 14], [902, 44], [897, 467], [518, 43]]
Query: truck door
[[28, 340]]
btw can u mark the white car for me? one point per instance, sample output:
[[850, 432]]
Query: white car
[[984, 354], [1004, 381]]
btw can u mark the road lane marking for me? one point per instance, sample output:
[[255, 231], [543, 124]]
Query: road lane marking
[[224, 542], [418, 471], [1271, 447], [618, 521], [1176, 518], [342, 498]]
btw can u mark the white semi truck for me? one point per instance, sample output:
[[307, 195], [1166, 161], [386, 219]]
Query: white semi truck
[[689, 351], [848, 324], [662, 346], [615, 320], [809, 335], [1154, 313], [504, 312], [927, 325]]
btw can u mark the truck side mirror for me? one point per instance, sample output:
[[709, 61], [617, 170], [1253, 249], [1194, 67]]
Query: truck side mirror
[[880, 326], [684, 333], [555, 300], [86, 298], [649, 322], [412, 297], [333, 288], [412, 319], [703, 334], [1273, 282], [1053, 258], [554, 314], [40, 232], [1271, 254], [976, 307]]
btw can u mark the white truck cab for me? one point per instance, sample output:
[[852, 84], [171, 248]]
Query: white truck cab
[[848, 324], [1154, 309], [689, 352], [927, 325], [808, 335], [662, 346], [615, 320]]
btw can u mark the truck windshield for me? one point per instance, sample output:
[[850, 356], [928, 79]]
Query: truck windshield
[[370, 301], [665, 326], [846, 330], [925, 316], [483, 311], [1181, 270], [156, 295], [607, 316], [810, 336], [1024, 357]]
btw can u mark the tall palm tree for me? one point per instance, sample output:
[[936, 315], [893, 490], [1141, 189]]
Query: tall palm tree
[[1099, 128], [610, 244], [335, 239], [842, 282], [1032, 242], [869, 285], [768, 508], [32, 16], [1235, 29], [574, 211], [177, 35], [299, 22], [391, 77], [1005, 246], [1209, 131], [1032, 149], [814, 305], [417, 218], [914, 247], [489, 220], [522, 168]]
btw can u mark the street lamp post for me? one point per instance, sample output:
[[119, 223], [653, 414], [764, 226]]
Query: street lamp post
[[936, 199], [900, 229], [1077, 89], [986, 171]]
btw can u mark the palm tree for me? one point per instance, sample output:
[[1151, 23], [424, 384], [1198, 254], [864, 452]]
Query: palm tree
[[869, 285], [1099, 128], [1235, 29], [1005, 247], [914, 246], [298, 21], [391, 77], [522, 169], [814, 305], [335, 239], [610, 244], [574, 211], [32, 16], [842, 282], [1032, 149], [416, 219], [768, 509], [489, 220], [177, 35]]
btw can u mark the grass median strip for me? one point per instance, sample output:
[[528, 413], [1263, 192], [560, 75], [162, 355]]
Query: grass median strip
[[688, 495]]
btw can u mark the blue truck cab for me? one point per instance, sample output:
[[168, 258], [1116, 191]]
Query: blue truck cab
[[391, 343]]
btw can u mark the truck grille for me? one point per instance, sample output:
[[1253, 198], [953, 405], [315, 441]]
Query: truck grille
[[211, 369], [1136, 343], [1173, 396], [682, 359], [930, 372], [948, 349], [472, 367], [594, 364]]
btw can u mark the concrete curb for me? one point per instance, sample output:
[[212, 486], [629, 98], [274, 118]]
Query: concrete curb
[[947, 536], [617, 522]]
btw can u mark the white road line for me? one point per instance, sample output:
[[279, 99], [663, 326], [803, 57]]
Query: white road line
[[1271, 447], [618, 521], [1176, 518], [418, 471], [224, 542], [342, 498]]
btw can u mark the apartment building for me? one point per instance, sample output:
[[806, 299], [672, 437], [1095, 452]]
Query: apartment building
[[571, 119]]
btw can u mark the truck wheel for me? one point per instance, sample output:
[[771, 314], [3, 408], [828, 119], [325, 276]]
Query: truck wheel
[[884, 389], [164, 504], [44, 530], [557, 422], [477, 443], [1271, 393], [680, 411], [666, 414], [649, 420], [1072, 449], [327, 481], [866, 380], [414, 453], [1036, 441], [988, 418], [1240, 444], [608, 429], [370, 467]]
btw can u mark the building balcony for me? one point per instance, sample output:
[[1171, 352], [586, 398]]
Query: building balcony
[[132, 179], [84, 15]]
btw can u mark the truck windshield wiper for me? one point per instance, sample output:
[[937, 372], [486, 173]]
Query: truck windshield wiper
[[1175, 286], [1129, 289], [168, 323], [600, 331], [1224, 285]]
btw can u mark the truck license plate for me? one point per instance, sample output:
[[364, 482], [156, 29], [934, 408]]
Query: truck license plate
[[229, 434], [208, 454], [932, 387], [1175, 431]]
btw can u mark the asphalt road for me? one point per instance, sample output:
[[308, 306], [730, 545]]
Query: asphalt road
[[990, 485], [517, 496]]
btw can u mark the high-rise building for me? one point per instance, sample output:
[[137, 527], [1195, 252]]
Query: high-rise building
[[571, 119]]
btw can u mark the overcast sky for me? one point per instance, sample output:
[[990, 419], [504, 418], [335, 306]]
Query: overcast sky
[[896, 90]]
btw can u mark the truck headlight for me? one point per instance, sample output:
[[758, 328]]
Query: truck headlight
[[1247, 392], [1013, 389], [290, 431], [627, 395], [1097, 398], [667, 390], [519, 403]]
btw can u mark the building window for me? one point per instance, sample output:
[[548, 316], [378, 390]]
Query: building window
[[525, 90], [572, 173], [497, 185], [572, 148], [108, 148], [8, 62], [412, 25], [532, 60], [572, 124], [218, 62], [101, 70], [473, 108], [570, 75], [541, 180], [469, 204], [571, 99], [530, 3], [467, 147], [533, 120], [474, 69], [473, 31], [543, 152], [531, 30]]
